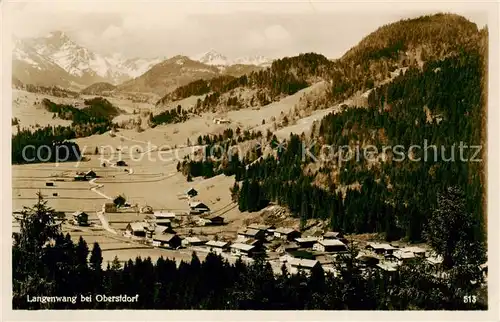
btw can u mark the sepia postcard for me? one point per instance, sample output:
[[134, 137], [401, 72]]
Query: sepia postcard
[[249, 160]]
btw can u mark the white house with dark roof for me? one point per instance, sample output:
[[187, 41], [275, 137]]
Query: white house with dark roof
[[306, 242], [192, 241], [198, 207], [136, 229], [286, 233], [400, 256], [217, 247], [381, 248], [163, 215], [239, 249], [167, 240], [302, 263], [251, 234], [330, 245]]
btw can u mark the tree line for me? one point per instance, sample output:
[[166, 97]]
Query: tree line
[[50, 142], [175, 115]]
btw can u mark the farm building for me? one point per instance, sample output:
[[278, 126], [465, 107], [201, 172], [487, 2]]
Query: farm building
[[198, 207], [255, 243], [121, 163], [301, 254], [79, 177], [239, 249], [152, 230], [333, 235], [380, 248], [136, 229], [400, 256], [306, 242], [80, 218], [163, 222], [163, 215], [90, 175], [301, 263], [286, 233], [192, 241], [191, 193], [214, 221], [330, 245], [217, 246], [251, 234], [49, 184], [217, 220], [167, 240]]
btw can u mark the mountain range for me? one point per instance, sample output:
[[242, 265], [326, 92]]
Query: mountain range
[[57, 60], [215, 58]]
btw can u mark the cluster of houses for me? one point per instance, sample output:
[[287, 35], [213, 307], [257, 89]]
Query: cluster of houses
[[157, 226], [388, 257], [85, 176], [258, 239]]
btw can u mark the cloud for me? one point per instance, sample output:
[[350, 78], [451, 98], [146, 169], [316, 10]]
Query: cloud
[[271, 37], [276, 33], [112, 32]]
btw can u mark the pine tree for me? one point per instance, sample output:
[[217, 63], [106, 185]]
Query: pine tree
[[95, 260]]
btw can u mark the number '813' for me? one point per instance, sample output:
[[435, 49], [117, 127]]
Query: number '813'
[[470, 299]]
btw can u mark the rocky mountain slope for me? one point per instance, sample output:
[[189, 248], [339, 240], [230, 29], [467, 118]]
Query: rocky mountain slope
[[56, 59]]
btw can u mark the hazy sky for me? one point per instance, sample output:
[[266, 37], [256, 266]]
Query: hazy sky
[[272, 29]]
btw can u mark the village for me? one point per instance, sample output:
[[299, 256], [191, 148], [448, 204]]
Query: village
[[173, 231]]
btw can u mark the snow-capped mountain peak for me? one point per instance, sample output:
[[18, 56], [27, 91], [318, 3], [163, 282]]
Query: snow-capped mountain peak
[[212, 57], [78, 61], [257, 60]]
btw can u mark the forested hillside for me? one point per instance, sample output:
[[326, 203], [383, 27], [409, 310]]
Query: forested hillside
[[442, 104], [98, 88], [286, 76], [402, 44]]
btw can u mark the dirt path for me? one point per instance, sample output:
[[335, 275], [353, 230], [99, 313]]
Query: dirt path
[[104, 223]]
